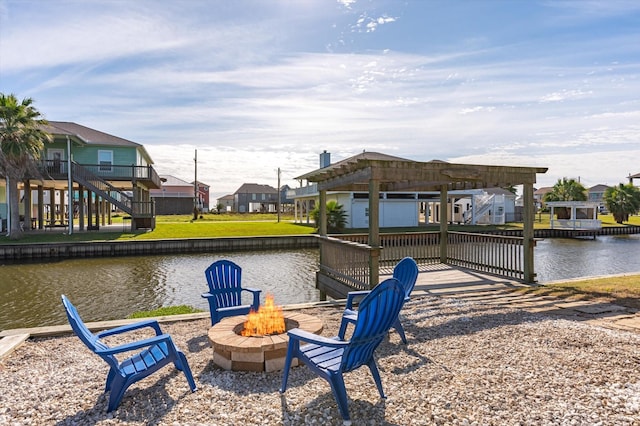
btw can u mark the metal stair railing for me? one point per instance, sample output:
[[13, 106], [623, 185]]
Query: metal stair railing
[[483, 204]]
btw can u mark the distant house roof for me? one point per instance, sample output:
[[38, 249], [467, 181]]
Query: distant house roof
[[499, 191], [169, 180], [598, 188], [228, 197], [543, 190], [254, 188], [91, 136], [200, 184]]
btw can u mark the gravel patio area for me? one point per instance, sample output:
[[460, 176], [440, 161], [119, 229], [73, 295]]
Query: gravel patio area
[[465, 364]]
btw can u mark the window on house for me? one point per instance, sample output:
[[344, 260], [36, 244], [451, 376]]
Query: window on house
[[105, 160]]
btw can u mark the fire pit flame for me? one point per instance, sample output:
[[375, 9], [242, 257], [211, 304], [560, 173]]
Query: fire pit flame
[[269, 319]]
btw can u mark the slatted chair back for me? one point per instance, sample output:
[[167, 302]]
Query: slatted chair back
[[224, 278], [86, 336], [376, 314], [330, 357], [141, 357], [406, 271]]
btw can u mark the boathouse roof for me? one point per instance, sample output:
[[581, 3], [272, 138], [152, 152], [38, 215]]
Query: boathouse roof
[[399, 174]]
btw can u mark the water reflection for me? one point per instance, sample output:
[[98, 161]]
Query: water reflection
[[557, 259], [113, 288]]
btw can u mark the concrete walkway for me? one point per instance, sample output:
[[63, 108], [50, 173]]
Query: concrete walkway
[[451, 282]]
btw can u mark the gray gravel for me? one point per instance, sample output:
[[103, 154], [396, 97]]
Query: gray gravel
[[466, 364]]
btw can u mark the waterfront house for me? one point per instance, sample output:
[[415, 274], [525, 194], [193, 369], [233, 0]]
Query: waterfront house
[[225, 203], [538, 196], [255, 198], [176, 196], [595, 194], [89, 174]]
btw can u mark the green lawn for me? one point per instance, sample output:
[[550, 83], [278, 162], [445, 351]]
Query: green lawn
[[621, 290], [180, 226]]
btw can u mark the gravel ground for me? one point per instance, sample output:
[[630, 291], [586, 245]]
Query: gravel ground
[[466, 364]]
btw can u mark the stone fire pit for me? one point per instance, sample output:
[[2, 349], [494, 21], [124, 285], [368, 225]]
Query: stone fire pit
[[232, 351]]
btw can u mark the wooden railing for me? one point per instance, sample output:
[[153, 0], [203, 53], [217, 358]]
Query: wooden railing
[[85, 177], [576, 224], [346, 259], [57, 169], [96, 178], [424, 247], [494, 254]]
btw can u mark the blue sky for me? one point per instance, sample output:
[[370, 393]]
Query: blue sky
[[259, 85]]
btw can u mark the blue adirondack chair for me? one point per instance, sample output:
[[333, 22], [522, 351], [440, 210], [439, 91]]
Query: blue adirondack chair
[[330, 358], [225, 291], [405, 271], [157, 352]]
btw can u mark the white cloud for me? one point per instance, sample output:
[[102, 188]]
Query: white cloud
[[253, 87]]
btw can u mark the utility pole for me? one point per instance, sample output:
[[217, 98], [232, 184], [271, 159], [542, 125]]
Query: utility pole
[[195, 187], [278, 194]]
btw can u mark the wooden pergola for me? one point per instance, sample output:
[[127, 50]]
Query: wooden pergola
[[375, 172]]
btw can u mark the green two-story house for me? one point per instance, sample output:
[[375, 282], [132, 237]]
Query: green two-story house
[[88, 175]]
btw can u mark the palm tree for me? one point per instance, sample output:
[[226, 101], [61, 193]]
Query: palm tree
[[622, 200], [21, 144], [566, 190], [336, 216]]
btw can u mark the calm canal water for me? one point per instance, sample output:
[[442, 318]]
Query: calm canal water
[[112, 288]]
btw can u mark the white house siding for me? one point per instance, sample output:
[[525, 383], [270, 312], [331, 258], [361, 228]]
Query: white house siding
[[393, 213]]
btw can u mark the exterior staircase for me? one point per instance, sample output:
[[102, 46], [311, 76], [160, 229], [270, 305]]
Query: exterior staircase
[[101, 187], [141, 213], [482, 207]]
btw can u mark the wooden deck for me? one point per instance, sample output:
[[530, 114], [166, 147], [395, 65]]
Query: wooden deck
[[447, 280]]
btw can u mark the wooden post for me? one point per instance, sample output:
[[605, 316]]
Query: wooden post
[[80, 207], [40, 207], [27, 205], [52, 206], [322, 230], [374, 232], [444, 215], [322, 226], [527, 232]]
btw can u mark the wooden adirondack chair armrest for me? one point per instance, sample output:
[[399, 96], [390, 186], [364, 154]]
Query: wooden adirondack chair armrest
[[130, 327], [355, 294], [255, 304], [139, 344], [307, 337], [206, 295], [350, 316]]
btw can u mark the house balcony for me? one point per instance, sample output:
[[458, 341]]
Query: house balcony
[[305, 191], [145, 175]]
